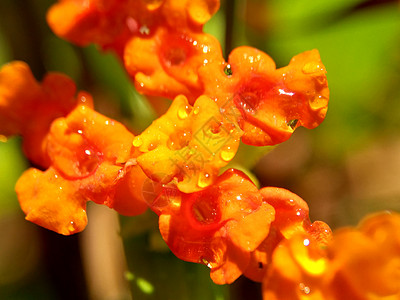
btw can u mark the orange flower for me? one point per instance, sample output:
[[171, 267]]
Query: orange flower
[[359, 264], [366, 261], [110, 24], [291, 218], [166, 63], [105, 23], [297, 272], [90, 160], [269, 103], [27, 108], [191, 143], [189, 13], [52, 202], [216, 225]]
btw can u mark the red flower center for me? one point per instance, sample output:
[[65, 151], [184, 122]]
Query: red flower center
[[175, 50], [203, 210], [251, 93]]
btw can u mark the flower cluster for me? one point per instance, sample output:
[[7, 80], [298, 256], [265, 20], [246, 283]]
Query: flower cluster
[[359, 263], [221, 220]]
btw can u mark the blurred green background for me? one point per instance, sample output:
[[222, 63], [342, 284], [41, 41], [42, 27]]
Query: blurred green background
[[347, 167]]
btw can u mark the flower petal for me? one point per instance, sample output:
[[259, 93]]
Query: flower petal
[[189, 143], [27, 108], [52, 202], [215, 226]]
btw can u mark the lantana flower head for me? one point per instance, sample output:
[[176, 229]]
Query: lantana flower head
[[298, 268], [95, 21], [90, 157], [269, 103], [167, 62], [110, 24], [291, 219], [215, 226], [28, 107], [366, 260], [358, 263]]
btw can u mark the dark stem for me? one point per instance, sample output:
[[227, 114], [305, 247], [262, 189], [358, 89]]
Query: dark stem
[[229, 21]]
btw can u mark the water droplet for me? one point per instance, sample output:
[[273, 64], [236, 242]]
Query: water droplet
[[283, 92], [306, 242], [88, 162], [71, 226], [248, 101], [179, 139], [205, 262], [137, 141], [305, 289], [171, 144], [152, 146], [204, 180], [292, 123], [228, 70], [318, 102], [144, 30], [196, 110], [312, 67], [183, 112], [227, 154]]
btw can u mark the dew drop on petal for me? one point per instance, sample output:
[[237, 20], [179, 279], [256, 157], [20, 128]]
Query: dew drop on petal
[[292, 123], [312, 67], [227, 154], [304, 288], [144, 30], [89, 160], [71, 226], [204, 180], [228, 70], [137, 141], [205, 262], [182, 112]]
